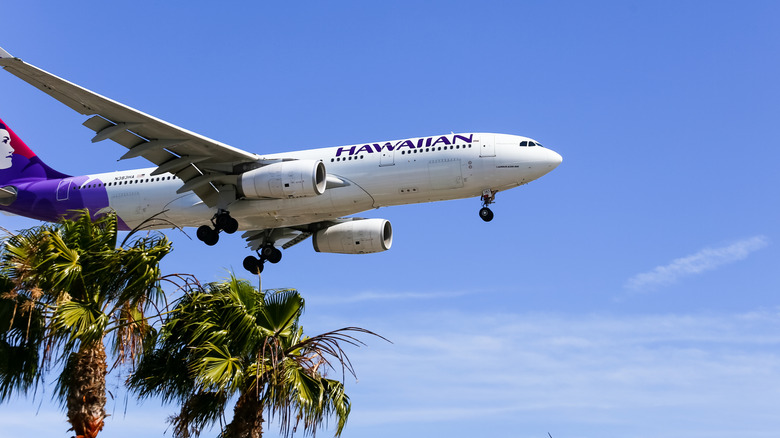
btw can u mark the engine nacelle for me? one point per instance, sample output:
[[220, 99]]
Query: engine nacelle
[[361, 236], [288, 179]]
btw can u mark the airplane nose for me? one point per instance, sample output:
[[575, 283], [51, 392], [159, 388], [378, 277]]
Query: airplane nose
[[553, 159]]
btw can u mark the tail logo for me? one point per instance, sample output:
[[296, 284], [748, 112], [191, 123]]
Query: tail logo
[[17, 161], [6, 149]]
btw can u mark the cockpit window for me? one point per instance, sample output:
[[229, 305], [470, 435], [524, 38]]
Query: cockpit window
[[524, 143]]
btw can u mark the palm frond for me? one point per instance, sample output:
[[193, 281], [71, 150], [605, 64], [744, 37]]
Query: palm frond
[[84, 322], [197, 412], [236, 340], [21, 335], [82, 287], [217, 369]]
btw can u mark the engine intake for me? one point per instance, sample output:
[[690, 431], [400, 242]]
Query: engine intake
[[360, 236], [288, 179]]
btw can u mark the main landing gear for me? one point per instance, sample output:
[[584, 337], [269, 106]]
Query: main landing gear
[[268, 253], [221, 221], [488, 197]]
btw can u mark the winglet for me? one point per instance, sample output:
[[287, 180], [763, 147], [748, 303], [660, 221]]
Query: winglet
[[4, 54]]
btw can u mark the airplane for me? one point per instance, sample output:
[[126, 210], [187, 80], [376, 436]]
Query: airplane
[[277, 200]]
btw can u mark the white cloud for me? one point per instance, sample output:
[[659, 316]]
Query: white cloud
[[705, 260]]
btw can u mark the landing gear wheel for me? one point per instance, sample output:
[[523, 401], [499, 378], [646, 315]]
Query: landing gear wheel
[[488, 197], [212, 238], [231, 226], [203, 232], [271, 253], [208, 235], [223, 221], [486, 214], [253, 265], [275, 256]]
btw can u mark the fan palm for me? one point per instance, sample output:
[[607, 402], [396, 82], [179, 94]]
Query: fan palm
[[233, 341], [65, 289]]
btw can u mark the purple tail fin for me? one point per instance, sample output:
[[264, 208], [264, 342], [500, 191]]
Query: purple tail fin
[[19, 162]]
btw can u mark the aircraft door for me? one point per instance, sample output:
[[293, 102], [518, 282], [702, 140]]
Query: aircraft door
[[63, 189], [488, 145]]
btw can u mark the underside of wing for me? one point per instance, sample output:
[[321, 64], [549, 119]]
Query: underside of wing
[[282, 237], [205, 165], [348, 235]]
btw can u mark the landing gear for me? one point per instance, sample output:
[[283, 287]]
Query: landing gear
[[488, 197], [486, 214], [268, 253], [253, 265], [208, 235], [271, 253], [221, 221]]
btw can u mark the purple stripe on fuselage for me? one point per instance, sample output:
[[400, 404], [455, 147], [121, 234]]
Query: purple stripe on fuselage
[[52, 199]]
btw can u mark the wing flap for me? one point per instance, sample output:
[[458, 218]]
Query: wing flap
[[284, 237]]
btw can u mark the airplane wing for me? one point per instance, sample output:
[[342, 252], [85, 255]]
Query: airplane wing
[[202, 163]]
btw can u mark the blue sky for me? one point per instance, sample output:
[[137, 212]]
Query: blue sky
[[631, 292]]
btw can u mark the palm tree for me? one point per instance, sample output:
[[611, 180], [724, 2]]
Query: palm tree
[[232, 340], [67, 289]]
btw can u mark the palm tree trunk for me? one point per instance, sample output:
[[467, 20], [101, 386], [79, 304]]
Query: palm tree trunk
[[247, 417], [86, 399]]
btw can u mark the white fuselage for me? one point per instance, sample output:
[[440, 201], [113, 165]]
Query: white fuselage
[[360, 177]]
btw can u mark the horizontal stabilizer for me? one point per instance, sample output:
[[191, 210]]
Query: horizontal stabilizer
[[7, 195]]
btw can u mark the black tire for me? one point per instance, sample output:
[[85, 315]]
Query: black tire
[[253, 265], [231, 226], [222, 221], [203, 232], [275, 256], [267, 251], [212, 238], [486, 214]]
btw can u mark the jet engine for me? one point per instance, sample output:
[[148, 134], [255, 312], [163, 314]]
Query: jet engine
[[360, 236], [287, 179]]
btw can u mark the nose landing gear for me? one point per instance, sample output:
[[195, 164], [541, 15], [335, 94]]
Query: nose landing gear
[[268, 253], [488, 197], [221, 221]]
